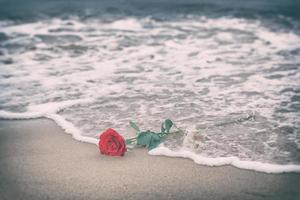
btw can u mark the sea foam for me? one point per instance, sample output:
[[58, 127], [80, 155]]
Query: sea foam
[[221, 161], [203, 73], [159, 151], [49, 111]]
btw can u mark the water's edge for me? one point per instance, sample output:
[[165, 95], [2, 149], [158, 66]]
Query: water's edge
[[50, 111]]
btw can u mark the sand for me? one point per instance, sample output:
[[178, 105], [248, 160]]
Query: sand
[[39, 161]]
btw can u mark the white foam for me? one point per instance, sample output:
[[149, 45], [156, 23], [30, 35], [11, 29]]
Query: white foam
[[26, 115], [221, 161], [68, 127], [126, 24], [49, 110], [195, 69], [29, 28], [54, 107]]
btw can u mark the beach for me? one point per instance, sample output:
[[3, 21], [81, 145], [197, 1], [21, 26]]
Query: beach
[[39, 161], [210, 87]]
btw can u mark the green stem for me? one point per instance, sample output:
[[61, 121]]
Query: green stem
[[130, 139]]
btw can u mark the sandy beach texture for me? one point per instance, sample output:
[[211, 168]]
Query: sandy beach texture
[[39, 161]]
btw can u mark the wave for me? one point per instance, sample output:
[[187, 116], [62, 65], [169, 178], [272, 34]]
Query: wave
[[202, 70], [50, 111], [221, 161]]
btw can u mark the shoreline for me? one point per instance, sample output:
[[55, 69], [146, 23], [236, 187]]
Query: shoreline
[[69, 128], [39, 161], [223, 161]]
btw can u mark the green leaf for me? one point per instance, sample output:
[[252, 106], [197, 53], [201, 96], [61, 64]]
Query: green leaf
[[155, 141], [148, 139], [168, 125], [143, 138], [134, 126]]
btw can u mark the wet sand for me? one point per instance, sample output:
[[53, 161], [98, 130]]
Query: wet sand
[[39, 161]]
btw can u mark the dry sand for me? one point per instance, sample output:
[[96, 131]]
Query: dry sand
[[39, 161]]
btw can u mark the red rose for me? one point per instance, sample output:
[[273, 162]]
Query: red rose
[[112, 143]]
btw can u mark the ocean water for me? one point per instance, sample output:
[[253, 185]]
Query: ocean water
[[228, 74]]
